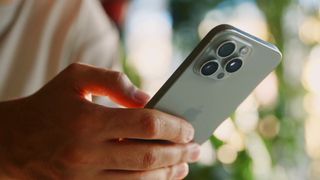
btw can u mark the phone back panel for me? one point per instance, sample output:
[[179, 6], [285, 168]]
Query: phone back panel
[[206, 102]]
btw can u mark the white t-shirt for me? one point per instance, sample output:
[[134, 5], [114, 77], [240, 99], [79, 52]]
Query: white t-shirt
[[39, 38]]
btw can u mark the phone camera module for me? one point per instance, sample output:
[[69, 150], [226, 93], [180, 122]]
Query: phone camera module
[[244, 50], [209, 68], [221, 75], [226, 49], [234, 65]]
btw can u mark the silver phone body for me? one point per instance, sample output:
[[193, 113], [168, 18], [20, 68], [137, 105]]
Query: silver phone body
[[206, 102]]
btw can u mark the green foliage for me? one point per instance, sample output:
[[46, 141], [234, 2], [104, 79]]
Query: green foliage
[[242, 168], [130, 70], [200, 172], [274, 11], [216, 143], [286, 144], [239, 170], [187, 15]]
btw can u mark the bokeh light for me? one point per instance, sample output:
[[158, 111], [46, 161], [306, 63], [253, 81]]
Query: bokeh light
[[312, 104], [148, 40], [310, 30], [274, 133], [246, 116], [224, 131], [227, 154], [312, 71], [312, 134], [252, 21], [269, 127], [208, 155], [267, 91]]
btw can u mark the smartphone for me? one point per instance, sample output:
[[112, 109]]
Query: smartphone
[[223, 69]]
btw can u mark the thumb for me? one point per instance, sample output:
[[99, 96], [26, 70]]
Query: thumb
[[103, 82]]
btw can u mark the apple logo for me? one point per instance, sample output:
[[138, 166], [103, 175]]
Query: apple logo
[[192, 113]]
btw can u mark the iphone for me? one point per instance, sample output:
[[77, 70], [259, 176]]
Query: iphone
[[215, 78]]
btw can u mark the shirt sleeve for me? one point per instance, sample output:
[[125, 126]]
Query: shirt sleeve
[[95, 38]]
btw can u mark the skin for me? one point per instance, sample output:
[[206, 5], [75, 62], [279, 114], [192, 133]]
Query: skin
[[57, 133]]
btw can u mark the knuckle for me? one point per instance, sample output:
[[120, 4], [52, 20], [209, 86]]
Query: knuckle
[[81, 121], [179, 134], [72, 72], [151, 125], [169, 173], [119, 77], [74, 67], [80, 129], [74, 158], [149, 159], [141, 175], [183, 155], [145, 175]]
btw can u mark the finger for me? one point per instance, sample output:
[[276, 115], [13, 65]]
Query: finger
[[147, 155], [174, 172], [144, 124], [102, 82]]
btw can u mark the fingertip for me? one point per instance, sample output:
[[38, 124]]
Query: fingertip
[[181, 171], [188, 133], [132, 99], [194, 152], [141, 97]]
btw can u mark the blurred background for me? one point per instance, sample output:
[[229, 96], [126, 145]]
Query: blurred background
[[275, 133]]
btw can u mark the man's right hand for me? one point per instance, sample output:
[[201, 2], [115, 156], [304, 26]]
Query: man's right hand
[[58, 134]]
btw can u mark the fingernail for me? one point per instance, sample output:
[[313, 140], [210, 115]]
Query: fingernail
[[194, 152], [181, 171], [140, 96], [190, 135]]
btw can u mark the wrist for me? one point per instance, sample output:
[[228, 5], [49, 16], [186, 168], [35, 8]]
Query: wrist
[[11, 112]]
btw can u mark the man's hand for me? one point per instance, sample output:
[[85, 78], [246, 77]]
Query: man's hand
[[58, 134]]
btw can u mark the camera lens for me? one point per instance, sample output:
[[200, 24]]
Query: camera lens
[[209, 68], [226, 49], [234, 65]]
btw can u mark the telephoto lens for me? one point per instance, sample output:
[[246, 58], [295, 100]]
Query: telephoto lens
[[234, 65], [209, 68], [226, 49]]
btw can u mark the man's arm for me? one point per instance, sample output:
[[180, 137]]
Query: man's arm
[[56, 133]]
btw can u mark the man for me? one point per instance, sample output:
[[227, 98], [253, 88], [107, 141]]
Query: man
[[57, 132]]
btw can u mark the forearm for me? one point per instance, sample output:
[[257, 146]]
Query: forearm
[[11, 112], [10, 109]]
